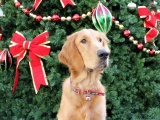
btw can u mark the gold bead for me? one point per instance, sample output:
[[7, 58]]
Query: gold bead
[[63, 18], [121, 26], [84, 15], [68, 18], [117, 22], [88, 13], [135, 42], [49, 17], [131, 38]]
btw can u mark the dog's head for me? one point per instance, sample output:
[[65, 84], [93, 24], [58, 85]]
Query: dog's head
[[86, 49]]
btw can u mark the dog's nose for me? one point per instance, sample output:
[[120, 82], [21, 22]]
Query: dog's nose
[[102, 54]]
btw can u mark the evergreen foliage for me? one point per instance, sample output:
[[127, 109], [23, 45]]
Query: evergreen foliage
[[132, 80]]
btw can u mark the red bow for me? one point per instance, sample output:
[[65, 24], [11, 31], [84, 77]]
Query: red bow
[[150, 21], [37, 49], [36, 4], [66, 2]]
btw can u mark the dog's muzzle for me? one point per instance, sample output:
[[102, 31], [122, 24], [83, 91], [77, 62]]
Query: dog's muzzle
[[102, 54]]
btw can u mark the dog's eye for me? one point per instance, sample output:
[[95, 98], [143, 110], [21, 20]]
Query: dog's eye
[[83, 41], [100, 40]]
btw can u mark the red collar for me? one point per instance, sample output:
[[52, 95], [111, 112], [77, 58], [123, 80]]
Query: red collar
[[88, 92]]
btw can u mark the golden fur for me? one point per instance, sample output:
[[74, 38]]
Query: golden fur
[[79, 54]]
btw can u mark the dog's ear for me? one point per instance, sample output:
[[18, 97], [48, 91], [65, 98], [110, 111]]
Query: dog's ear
[[70, 56]]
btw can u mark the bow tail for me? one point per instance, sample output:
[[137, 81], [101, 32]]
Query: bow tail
[[36, 4], [66, 2], [151, 34], [16, 78], [37, 72]]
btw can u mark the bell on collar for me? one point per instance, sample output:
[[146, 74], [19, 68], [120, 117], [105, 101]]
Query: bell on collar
[[88, 98]]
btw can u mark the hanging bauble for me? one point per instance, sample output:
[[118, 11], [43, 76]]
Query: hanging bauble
[[102, 18], [131, 6], [5, 58]]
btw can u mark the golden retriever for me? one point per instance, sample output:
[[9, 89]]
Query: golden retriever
[[86, 54]]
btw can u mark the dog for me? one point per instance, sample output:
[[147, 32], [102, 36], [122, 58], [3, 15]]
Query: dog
[[86, 54]]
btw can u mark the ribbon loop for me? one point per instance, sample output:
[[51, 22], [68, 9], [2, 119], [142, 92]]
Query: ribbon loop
[[26, 45], [37, 49]]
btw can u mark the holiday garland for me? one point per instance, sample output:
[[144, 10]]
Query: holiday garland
[[54, 17], [140, 46], [101, 25]]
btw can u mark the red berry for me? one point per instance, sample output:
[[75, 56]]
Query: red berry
[[93, 9], [0, 36], [140, 46], [38, 18], [55, 18], [113, 19], [76, 17], [17, 4], [152, 52], [26, 11], [126, 33]]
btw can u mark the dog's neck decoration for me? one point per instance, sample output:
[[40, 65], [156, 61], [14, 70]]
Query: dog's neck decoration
[[85, 92], [54, 17], [102, 18], [37, 49]]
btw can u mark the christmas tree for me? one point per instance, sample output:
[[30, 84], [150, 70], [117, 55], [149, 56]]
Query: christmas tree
[[132, 80]]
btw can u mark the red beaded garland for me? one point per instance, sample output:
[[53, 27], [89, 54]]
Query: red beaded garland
[[139, 46]]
